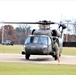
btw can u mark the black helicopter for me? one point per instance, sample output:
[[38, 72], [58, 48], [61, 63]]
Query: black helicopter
[[43, 41]]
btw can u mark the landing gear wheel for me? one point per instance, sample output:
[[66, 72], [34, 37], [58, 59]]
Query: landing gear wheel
[[27, 56], [55, 57]]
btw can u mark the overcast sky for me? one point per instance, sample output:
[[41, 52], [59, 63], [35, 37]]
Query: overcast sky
[[31, 10]]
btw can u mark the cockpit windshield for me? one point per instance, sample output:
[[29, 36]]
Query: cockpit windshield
[[36, 40]]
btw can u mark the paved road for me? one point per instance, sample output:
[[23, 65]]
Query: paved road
[[45, 59]]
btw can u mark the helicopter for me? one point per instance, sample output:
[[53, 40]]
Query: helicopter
[[43, 41]]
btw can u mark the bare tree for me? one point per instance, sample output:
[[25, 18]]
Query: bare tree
[[22, 32], [75, 27]]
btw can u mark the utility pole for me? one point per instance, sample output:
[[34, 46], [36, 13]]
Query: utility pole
[[2, 32]]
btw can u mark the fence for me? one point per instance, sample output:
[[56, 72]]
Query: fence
[[69, 44]]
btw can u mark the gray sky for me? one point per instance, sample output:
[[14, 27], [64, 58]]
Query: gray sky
[[31, 10]]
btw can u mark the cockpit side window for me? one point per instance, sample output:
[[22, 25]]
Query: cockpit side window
[[49, 41], [27, 40]]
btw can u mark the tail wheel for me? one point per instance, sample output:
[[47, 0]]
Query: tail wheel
[[27, 56], [56, 47]]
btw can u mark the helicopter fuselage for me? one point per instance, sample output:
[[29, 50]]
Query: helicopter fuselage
[[45, 41], [41, 43]]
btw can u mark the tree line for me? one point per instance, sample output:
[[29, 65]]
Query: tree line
[[16, 35], [20, 33]]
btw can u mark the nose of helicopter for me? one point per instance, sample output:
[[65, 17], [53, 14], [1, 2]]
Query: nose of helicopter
[[36, 49]]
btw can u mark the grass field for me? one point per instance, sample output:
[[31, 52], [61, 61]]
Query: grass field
[[7, 68], [19, 48], [36, 69], [69, 51], [11, 49]]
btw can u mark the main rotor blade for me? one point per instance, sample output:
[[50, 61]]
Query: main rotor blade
[[27, 23], [19, 22], [43, 23], [64, 23]]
